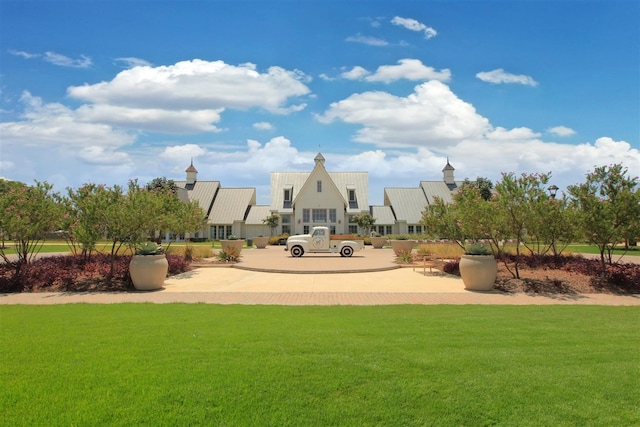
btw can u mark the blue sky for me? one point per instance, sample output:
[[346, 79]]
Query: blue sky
[[106, 91]]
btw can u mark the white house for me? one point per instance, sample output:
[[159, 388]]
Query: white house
[[307, 199]]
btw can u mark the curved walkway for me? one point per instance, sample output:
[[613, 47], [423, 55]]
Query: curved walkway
[[272, 277]]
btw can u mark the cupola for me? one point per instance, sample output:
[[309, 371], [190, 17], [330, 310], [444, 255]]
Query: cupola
[[447, 174], [192, 174]]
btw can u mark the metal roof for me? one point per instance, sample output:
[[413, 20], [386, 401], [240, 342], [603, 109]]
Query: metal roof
[[433, 189], [202, 191], [383, 215], [231, 205], [408, 203], [257, 213], [342, 180]]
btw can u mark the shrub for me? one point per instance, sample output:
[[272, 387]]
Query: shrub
[[404, 258], [452, 267], [228, 255]]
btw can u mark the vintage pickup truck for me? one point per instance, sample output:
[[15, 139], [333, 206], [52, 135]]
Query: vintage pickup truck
[[320, 241]]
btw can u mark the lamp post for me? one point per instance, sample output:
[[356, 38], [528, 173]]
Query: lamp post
[[553, 189]]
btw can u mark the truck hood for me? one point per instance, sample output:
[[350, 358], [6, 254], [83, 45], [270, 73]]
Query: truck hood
[[299, 236]]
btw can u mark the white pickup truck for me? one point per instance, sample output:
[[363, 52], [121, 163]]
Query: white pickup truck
[[320, 241]]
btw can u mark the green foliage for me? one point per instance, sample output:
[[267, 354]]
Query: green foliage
[[608, 208], [365, 221], [149, 248], [272, 221], [229, 254], [162, 184], [404, 258], [111, 364], [27, 214], [484, 186], [477, 249]]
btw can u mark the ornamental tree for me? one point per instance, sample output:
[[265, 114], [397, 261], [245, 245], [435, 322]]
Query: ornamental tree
[[27, 214], [364, 221], [272, 221], [608, 206]]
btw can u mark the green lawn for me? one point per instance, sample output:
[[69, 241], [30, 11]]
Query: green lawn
[[180, 364]]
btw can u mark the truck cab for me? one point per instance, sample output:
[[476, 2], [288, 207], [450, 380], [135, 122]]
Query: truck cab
[[320, 241]]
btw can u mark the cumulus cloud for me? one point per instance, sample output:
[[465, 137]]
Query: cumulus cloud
[[182, 154], [152, 119], [498, 76], [409, 69], [413, 25], [432, 114], [561, 131], [98, 155], [46, 124], [356, 73], [371, 41], [199, 85]]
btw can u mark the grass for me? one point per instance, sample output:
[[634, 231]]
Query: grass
[[179, 364], [591, 249]]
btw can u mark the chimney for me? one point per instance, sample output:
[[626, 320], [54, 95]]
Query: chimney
[[447, 174], [192, 174]]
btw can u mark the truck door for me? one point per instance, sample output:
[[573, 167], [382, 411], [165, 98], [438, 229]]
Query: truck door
[[319, 240]]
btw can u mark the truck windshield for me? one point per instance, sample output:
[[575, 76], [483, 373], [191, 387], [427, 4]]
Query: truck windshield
[[318, 233]]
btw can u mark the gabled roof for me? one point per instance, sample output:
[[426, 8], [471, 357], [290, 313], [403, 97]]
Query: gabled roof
[[202, 191], [231, 204], [342, 180], [433, 189], [383, 215], [408, 203], [257, 213]]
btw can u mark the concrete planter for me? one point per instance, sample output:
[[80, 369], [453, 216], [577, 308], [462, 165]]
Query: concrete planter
[[478, 272], [148, 271], [261, 242], [378, 242], [236, 245], [402, 246]]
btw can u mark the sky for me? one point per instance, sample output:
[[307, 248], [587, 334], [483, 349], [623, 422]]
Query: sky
[[108, 91]]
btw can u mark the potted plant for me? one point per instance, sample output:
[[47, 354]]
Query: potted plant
[[402, 245], [377, 241], [148, 267], [478, 268], [261, 241], [233, 242]]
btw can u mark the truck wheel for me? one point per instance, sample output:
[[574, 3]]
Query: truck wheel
[[297, 251], [347, 251]]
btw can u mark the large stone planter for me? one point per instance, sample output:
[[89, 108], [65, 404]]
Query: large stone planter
[[478, 272], [402, 246], [261, 242], [235, 245], [378, 242], [148, 271]]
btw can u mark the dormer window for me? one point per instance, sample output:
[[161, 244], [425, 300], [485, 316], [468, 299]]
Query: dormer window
[[353, 202], [287, 198]]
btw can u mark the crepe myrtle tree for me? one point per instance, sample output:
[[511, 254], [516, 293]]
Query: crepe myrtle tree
[[272, 221], [608, 208], [365, 221], [27, 214]]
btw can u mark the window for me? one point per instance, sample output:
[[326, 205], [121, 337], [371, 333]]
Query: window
[[353, 229], [305, 215], [389, 229], [305, 229], [353, 202], [286, 229], [319, 184], [287, 198], [319, 232], [411, 229], [286, 219], [319, 215], [332, 215], [332, 229]]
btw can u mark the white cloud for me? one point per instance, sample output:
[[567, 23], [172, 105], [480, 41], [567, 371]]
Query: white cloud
[[356, 73], [152, 119], [371, 41], [182, 154], [413, 25], [410, 69], [56, 59], [561, 131], [130, 62], [56, 124], [199, 85], [263, 126], [515, 134], [500, 76], [103, 156], [65, 61], [431, 115]]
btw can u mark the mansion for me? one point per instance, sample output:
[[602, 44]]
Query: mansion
[[307, 199]]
